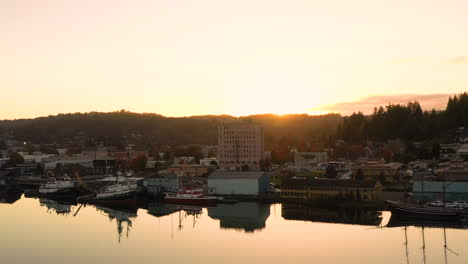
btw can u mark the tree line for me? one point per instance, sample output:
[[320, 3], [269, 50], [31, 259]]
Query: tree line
[[406, 122]]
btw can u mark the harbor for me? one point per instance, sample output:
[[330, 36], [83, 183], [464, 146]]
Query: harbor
[[161, 232]]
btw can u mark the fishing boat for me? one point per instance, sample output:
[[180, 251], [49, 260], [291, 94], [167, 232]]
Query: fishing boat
[[121, 195], [401, 208], [57, 186], [190, 197]]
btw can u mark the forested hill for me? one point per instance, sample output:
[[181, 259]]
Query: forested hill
[[118, 128], [407, 122]]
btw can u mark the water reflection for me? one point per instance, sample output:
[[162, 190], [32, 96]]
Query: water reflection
[[9, 195], [58, 207], [144, 235], [246, 216], [121, 217], [348, 215]]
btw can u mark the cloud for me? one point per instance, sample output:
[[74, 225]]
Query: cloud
[[367, 104], [458, 60], [429, 60]]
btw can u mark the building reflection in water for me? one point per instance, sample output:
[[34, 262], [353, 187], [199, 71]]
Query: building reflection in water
[[246, 216], [184, 212], [122, 218], [348, 215]]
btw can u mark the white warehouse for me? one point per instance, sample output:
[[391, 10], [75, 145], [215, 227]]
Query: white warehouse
[[238, 182]]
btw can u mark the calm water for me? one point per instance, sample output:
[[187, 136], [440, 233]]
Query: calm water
[[44, 231]]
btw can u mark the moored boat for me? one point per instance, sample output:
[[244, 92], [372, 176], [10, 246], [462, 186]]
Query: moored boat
[[120, 195], [424, 211], [55, 186], [190, 197]]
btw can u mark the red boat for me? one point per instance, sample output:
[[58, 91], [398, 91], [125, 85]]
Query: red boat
[[190, 197]]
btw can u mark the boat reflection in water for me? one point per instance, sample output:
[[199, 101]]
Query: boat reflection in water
[[59, 207], [348, 215], [405, 222], [9, 195], [158, 210], [122, 217], [246, 216]]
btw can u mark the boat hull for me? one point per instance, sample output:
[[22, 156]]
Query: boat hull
[[60, 193], [127, 201], [404, 209]]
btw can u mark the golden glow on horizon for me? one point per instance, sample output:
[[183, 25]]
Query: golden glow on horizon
[[183, 58]]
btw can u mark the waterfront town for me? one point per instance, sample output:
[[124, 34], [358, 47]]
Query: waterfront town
[[239, 168]]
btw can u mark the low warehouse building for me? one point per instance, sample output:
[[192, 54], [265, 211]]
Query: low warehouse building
[[238, 183]]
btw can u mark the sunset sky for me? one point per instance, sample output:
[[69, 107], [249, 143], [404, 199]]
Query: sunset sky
[[180, 58]]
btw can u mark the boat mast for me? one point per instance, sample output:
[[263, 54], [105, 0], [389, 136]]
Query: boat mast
[[424, 245], [406, 244]]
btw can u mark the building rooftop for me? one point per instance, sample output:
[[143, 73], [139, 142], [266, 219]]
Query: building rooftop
[[330, 183], [236, 175], [377, 165]]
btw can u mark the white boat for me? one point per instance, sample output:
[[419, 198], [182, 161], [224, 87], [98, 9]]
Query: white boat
[[57, 186], [117, 190], [121, 195], [190, 197], [121, 177]]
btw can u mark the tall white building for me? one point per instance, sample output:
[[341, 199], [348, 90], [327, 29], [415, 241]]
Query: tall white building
[[240, 144]]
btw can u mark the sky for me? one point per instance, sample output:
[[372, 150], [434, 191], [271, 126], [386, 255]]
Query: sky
[[182, 58]]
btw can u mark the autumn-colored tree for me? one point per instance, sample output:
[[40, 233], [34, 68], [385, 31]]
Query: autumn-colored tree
[[387, 155], [138, 163]]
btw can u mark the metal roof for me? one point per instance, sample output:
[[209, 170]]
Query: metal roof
[[236, 175]]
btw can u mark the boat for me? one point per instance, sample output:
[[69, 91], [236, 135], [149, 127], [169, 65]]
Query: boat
[[227, 200], [190, 197], [401, 208], [435, 209], [121, 195], [58, 186], [403, 220]]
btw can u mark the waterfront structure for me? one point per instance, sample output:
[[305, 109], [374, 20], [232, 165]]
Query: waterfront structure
[[448, 151], [184, 160], [162, 182], [462, 152], [309, 160], [96, 152], [102, 165], [209, 162], [378, 170], [319, 189], [209, 151], [190, 170], [86, 162], [239, 145], [36, 157], [440, 190], [251, 183], [455, 170], [419, 165]]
